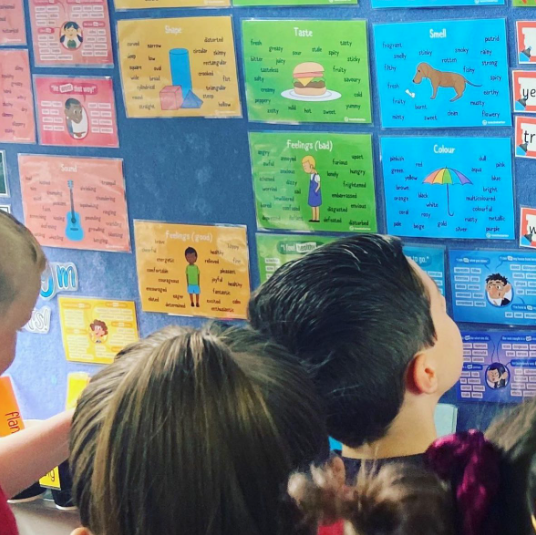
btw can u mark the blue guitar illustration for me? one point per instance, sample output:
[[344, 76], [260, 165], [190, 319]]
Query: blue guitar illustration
[[73, 230]]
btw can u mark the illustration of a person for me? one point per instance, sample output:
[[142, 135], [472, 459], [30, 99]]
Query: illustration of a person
[[71, 35], [76, 118], [497, 376], [193, 276], [315, 193], [98, 331], [499, 290]]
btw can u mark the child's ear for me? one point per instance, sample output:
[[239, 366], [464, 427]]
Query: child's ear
[[81, 531], [422, 376]]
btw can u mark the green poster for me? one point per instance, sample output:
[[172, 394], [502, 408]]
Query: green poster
[[291, 2], [313, 181], [524, 3], [4, 192], [307, 71], [274, 250]]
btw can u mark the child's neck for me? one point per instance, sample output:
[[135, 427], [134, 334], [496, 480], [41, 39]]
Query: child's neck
[[411, 433]]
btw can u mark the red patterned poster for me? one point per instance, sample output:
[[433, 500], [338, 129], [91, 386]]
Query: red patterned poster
[[78, 112], [12, 29]]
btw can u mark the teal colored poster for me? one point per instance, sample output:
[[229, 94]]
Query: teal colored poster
[[431, 260], [307, 71], [4, 190]]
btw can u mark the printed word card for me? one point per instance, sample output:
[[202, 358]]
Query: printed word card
[[75, 203], [430, 259], [498, 366], [78, 112], [16, 100], [71, 32], [314, 181], [193, 270], [527, 230], [524, 91], [303, 71], [95, 330], [435, 3], [12, 29], [526, 41], [448, 187], [443, 74], [525, 137], [179, 67], [493, 286]]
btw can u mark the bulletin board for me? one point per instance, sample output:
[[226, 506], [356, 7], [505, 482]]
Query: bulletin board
[[197, 171]]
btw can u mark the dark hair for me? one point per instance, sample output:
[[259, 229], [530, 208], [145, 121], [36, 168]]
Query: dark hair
[[497, 277], [497, 367], [71, 24], [99, 323], [190, 250], [72, 102], [355, 312]]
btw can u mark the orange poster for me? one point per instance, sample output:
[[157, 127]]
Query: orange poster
[[75, 203], [12, 29], [192, 270]]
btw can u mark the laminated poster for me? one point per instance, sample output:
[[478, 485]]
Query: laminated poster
[[526, 41], [306, 71], [435, 3], [524, 91], [12, 28], [71, 32], [314, 181], [144, 4], [4, 187], [431, 260], [16, 100], [524, 3], [77, 112], [193, 270], [95, 330], [498, 366], [443, 74], [258, 3], [493, 286], [525, 137], [75, 203], [527, 227], [448, 187], [179, 67]]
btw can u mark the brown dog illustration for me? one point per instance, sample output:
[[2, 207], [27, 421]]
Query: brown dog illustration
[[442, 79]]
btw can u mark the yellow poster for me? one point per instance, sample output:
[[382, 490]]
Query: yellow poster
[[178, 67], [76, 383], [192, 270], [95, 330], [51, 480], [142, 4]]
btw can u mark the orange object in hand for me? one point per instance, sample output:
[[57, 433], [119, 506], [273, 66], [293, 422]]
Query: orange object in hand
[[10, 418]]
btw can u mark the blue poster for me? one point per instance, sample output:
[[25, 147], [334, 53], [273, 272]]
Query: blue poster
[[448, 187], [498, 366], [443, 74], [431, 260], [493, 286], [434, 3]]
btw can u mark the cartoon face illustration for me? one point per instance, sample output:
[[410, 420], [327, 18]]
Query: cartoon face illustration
[[497, 376], [308, 165], [76, 118], [499, 290], [71, 35], [191, 256], [74, 110], [98, 331]]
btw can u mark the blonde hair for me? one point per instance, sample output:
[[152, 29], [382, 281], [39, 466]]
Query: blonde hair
[[194, 431], [310, 160], [18, 246]]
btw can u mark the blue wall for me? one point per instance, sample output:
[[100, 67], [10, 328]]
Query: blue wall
[[198, 171]]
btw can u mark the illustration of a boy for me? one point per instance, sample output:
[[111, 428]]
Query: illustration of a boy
[[192, 276], [499, 290], [98, 331], [76, 118]]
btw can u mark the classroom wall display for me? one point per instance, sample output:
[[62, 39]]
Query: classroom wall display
[[77, 112], [40, 321], [430, 259], [4, 185], [448, 187], [179, 67], [434, 3], [302, 71], [499, 366], [58, 277], [524, 91], [313, 181], [71, 33], [525, 137], [75, 203], [526, 41], [193, 270], [16, 100], [144, 4], [443, 74], [95, 330], [256, 3], [493, 286], [527, 227], [524, 3], [12, 29]]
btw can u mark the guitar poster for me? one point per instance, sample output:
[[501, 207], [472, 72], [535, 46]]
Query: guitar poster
[[193, 270], [75, 203], [95, 330], [76, 112]]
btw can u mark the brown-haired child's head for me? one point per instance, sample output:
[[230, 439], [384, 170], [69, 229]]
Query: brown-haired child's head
[[194, 431]]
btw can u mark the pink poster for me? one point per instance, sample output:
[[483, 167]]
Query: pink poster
[[17, 124], [12, 30], [71, 32], [78, 112], [75, 203]]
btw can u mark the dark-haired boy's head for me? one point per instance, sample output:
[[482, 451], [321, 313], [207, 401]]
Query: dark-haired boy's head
[[370, 326]]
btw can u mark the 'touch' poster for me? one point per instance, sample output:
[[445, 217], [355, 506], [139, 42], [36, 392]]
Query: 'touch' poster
[[75, 203]]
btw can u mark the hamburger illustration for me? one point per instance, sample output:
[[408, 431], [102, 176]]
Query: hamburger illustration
[[309, 79]]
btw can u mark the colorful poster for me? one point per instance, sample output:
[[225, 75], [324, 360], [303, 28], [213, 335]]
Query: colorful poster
[[71, 32], [527, 230], [431, 260], [434, 3], [524, 3], [258, 3], [179, 67], [12, 28], [78, 112], [313, 181], [448, 187], [95, 330], [307, 71], [443, 74], [526, 41], [524, 91], [75, 203], [525, 137], [145, 4], [192, 270], [16, 100], [4, 187], [493, 286], [499, 366]]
